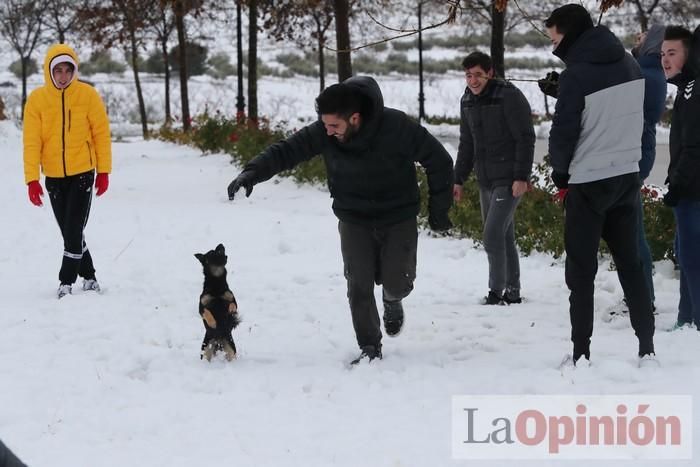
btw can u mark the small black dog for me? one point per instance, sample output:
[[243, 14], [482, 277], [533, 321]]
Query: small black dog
[[217, 306]]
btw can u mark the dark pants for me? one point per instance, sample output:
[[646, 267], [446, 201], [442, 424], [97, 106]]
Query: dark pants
[[70, 199], [688, 253], [605, 209], [384, 255], [497, 212]]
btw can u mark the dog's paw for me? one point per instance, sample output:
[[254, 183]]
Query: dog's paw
[[230, 352], [205, 299], [208, 318], [228, 296]]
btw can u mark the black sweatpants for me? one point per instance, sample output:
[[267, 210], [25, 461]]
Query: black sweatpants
[[605, 209], [385, 256], [70, 200]]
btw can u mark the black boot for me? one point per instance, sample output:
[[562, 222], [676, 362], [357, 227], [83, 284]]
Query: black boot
[[393, 318], [493, 298]]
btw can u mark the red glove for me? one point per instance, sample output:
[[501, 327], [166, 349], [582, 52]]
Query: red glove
[[560, 195], [35, 192], [101, 183]]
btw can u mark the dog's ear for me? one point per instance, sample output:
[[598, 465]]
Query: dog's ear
[[200, 257], [220, 249]]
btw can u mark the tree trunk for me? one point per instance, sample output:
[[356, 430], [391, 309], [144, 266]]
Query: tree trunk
[[253, 61], [137, 82], [25, 61], [320, 36], [166, 62], [498, 20], [321, 66], [182, 46], [342, 38]]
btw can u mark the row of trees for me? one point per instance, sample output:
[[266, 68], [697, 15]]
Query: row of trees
[[132, 25]]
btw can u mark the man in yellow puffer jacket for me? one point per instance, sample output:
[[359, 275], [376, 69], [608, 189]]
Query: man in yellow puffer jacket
[[66, 136]]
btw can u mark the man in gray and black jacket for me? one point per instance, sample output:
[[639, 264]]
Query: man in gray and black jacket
[[595, 148], [497, 142], [370, 152]]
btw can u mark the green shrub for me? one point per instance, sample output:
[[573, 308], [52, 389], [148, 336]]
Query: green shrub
[[659, 224], [196, 56], [101, 62], [154, 63], [16, 67], [220, 66]]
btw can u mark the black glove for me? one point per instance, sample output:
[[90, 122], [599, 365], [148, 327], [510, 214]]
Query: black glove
[[560, 180], [550, 84], [672, 196], [439, 222], [245, 179]]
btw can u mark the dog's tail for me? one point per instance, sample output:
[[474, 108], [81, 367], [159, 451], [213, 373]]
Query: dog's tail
[[235, 319]]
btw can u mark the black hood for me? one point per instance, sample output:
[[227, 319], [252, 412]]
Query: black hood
[[370, 122], [595, 45]]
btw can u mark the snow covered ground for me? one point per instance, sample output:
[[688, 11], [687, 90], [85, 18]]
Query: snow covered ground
[[116, 380]]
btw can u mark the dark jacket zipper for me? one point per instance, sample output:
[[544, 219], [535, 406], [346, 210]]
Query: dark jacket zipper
[[90, 151], [63, 131]]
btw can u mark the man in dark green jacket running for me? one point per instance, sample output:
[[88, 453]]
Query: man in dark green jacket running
[[370, 152]]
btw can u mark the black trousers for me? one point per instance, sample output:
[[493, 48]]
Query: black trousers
[[70, 200], [605, 209], [385, 256]]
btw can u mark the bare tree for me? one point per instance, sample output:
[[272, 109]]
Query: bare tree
[[122, 22], [62, 16], [161, 22], [253, 60], [299, 21], [342, 38], [21, 24]]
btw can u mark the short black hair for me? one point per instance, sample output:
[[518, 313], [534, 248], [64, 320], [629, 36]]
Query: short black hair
[[679, 33], [477, 59], [343, 100], [569, 18]]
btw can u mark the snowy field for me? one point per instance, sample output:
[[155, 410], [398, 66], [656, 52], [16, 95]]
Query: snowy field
[[116, 380]]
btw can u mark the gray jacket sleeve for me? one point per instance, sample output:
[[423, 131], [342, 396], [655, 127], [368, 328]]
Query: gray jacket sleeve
[[518, 116], [465, 152]]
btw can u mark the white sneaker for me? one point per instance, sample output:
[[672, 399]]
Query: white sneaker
[[648, 361], [91, 284], [63, 290]]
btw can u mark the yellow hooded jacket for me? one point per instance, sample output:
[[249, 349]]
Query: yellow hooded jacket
[[66, 131]]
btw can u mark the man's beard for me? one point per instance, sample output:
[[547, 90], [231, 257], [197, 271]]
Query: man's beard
[[349, 134]]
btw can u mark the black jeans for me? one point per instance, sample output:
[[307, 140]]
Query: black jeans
[[605, 209], [70, 200], [384, 255]]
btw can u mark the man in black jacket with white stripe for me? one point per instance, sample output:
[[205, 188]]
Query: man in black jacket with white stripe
[[595, 148], [681, 62]]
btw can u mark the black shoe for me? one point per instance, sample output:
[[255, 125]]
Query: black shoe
[[493, 298], [511, 297], [393, 318], [369, 352]]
